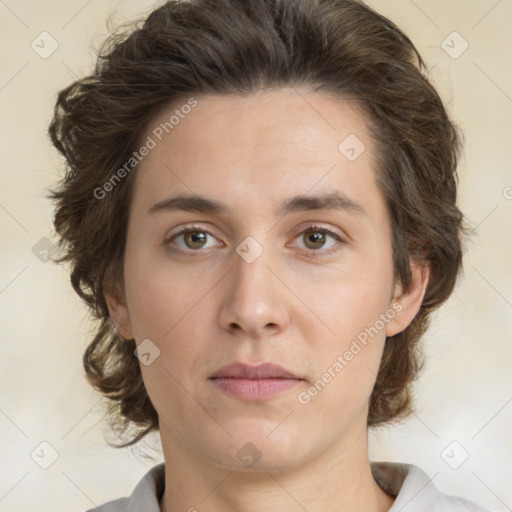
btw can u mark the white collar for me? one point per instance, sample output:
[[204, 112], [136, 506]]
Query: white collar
[[413, 489]]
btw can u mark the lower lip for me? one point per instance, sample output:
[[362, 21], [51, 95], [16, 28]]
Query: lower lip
[[254, 390]]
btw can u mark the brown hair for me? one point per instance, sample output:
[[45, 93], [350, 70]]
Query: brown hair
[[195, 47]]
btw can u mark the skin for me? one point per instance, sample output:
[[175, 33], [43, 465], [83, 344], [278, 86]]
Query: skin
[[300, 312]]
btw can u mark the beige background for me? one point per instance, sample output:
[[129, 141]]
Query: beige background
[[465, 395]]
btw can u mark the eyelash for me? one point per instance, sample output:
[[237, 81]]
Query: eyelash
[[198, 253]]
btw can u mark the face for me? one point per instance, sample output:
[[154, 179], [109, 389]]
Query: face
[[282, 255]]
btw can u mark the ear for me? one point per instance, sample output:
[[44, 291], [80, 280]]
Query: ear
[[409, 300], [119, 314]]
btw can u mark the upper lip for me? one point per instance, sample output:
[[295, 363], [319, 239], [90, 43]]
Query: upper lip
[[262, 371]]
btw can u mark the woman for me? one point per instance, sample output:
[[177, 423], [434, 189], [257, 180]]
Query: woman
[[260, 209]]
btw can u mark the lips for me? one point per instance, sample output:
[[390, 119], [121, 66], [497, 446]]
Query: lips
[[262, 371], [254, 383]]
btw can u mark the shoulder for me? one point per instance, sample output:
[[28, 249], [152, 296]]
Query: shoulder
[[119, 505], [145, 496], [415, 490]]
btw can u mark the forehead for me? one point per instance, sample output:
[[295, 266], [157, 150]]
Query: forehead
[[267, 144]]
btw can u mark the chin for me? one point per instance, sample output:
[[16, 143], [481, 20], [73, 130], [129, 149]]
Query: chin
[[259, 449], [249, 459]]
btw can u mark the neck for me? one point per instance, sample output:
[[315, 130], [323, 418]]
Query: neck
[[338, 476]]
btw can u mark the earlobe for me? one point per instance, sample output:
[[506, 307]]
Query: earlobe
[[119, 314], [410, 300]]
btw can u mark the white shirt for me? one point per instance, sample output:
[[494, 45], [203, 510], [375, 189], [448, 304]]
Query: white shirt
[[413, 489]]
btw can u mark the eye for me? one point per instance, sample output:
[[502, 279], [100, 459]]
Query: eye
[[190, 240], [315, 237], [193, 239]]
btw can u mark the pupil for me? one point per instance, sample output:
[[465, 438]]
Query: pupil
[[317, 238], [197, 237]]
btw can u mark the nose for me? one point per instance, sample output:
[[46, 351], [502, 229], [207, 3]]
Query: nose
[[256, 301]]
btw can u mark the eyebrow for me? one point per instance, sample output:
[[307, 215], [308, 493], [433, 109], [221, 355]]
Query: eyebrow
[[201, 204]]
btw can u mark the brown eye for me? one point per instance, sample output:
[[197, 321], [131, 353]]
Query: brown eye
[[195, 239], [191, 241], [314, 239]]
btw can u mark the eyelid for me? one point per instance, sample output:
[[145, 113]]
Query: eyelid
[[185, 229], [312, 226], [323, 252], [188, 227]]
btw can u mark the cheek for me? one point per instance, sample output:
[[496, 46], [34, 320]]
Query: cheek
[[355, 309], [354, 300], [346, 366], [158, 297]]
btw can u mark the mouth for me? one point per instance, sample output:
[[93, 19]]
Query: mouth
[[262, 371], [254, 383]]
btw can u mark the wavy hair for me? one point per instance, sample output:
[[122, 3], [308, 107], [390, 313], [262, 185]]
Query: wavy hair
[[194, 47]]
